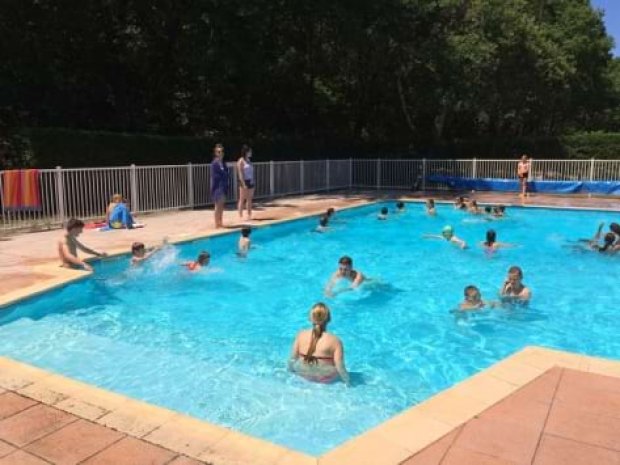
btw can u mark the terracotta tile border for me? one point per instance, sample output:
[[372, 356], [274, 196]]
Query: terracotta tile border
[[390, 443]]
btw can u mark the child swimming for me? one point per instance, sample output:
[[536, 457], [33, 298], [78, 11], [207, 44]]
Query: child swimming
[[203, 260], [323, 224], [139, 252], [430, 207], [345, 271], [491, 244], [243, 247], [473, 300], [447, 233], [383, 214], [400, 207]]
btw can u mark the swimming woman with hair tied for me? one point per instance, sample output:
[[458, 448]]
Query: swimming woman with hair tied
[[323, 359]]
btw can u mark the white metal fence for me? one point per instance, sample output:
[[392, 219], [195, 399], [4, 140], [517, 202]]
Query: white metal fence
[[85, 192]]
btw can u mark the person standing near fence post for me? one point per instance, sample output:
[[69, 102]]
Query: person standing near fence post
[[245, 175], [523, 172], [219, 184]]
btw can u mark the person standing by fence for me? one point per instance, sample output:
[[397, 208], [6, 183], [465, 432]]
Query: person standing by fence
[[219, 184], [245, 175], [523, 172]]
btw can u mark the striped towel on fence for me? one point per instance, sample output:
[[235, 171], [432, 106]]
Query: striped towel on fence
[[21, 190]]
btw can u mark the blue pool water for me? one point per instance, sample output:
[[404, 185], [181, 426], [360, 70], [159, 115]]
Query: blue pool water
[[214, 345]]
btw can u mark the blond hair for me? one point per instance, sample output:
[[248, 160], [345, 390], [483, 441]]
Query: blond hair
[[319, 316], [117, 198]]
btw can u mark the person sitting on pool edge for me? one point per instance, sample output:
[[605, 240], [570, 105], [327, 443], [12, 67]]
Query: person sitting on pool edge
[[322, 360], [69, 245], [473, 300], [139, 252], [513, 289], [383, 214], [447, 233], [203, 260], [430, 207], [345, 271], [243, 247]]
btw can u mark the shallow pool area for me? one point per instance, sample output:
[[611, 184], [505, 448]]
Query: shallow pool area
[[215, 344]]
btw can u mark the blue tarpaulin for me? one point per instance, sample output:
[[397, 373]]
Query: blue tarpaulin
[[512, 185]]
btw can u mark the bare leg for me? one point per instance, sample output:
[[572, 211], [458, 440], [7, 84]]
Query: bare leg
[[250, 196], [219, 213], [242, 199]]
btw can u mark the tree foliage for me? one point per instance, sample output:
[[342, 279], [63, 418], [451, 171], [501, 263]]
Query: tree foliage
[[385, 73]]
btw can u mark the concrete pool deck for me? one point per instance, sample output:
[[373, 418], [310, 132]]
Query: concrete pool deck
[[444, 429]]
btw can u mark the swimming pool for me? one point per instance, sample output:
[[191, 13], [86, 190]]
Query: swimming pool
[[214, 345]]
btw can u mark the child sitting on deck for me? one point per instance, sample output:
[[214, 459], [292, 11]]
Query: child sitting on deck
[[68, 245]]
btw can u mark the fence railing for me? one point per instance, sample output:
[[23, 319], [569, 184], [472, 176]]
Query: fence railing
[[85, 192]]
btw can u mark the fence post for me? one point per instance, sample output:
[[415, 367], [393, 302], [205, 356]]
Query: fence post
[[190, 185], [530, 174], [424, 174], [474, 168], [301, 176], [272, 179], [60, 195], [232, 167], [350, 173], [133, 182], [591, 169], [378, 173], [327, 174]]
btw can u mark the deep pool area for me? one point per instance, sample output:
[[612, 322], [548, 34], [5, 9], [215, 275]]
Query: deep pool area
[[214, 344]]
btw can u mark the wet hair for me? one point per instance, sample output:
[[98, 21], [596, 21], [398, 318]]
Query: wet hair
[[491, 237], [400, 205], [245, 149], [74, 223], [323, 220], [245, 232], [615, 228], [608, 241], [320, 317], [137, 246], [488, 209], [384, 211], [516, 269], [330, 211], [203, 257], [431, 203], [501, 208], [345, 260], [470, 288], [217, 146]]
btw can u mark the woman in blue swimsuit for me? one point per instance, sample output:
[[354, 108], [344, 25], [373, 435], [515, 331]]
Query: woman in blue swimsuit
[[219, 184]]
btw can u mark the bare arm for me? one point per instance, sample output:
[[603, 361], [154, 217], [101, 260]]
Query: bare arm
[[240, 172], [83, 248], [359, 279], [432, 236], [330, 285], [458, 242], [67, 257], [339, 362]]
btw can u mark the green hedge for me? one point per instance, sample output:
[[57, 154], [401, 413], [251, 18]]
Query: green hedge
[[50, 147]]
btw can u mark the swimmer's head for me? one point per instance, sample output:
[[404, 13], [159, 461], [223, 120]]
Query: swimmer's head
[[615, 228], [330, 211], [345, 263], [323, 221], [472, 294], [400, 205], [245, 232], [447, 232], [138, 249], [501, 208], [488, 209], [491, 236], [474, 203], [384, 211], [608, 241], [320, 315], [117, 198], [75, 226], [203, 258], [430, 203], [515, 274]]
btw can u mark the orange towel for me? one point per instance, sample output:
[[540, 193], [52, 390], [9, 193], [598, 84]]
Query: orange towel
[[21, 190]]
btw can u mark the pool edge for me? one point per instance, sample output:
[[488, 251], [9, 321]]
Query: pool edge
[[389, 443]]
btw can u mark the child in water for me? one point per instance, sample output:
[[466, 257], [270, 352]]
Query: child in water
[[473, 300], [243, 247], [447, 233], [323, 224], [383, 214], [139, 252], [400, 207], [203, 260], [491, 244], [430, 207]]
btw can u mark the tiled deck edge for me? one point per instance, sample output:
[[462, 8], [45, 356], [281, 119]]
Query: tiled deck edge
[[411, 431], [388, 444]]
